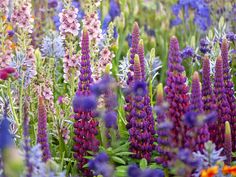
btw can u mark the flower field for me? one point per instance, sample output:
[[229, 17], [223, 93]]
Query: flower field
[[117, 88]]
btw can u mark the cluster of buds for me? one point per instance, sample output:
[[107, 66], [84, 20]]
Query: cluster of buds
[[6, 72]]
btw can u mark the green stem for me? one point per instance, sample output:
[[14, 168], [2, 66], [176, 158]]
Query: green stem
[[21, 98], [11, 103]]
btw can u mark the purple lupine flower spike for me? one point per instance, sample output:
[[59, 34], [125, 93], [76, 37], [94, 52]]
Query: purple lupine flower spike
[[141, 140], [196, 105], [208, 98], [176, 89], [223, 109], [229, 88], [163, 130], [85, 126], [133, 51], [42, 136], [228, 144], [141, 58]]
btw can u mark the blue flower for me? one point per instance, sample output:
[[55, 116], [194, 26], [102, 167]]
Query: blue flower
[[134, 171], [106, 22], [5, 135], [114, 9], [187, 52], [140, 88], [186, 156], [129, 39], [190, 119], [100, 165], [110, 119], [176, 9], [115, 34], [84, 103], [175, 22]]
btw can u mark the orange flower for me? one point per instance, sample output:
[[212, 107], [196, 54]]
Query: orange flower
[[9, 28], [210, 172], [229, 170]]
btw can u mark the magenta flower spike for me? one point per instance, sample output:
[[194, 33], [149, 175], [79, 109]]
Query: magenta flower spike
[[141, 138], [176, 90], [223, 109], [229, 88], [85, 126], [42, 136], [208, 98]]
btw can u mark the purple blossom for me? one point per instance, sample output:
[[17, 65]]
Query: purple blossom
[[176, 89], [187, 52]]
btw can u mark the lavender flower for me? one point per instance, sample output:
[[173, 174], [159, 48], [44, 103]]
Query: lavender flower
[[176, 89], [6, 55], [228, 144], [85, 126], [229, 88], [187, 52], [208, 158], [52, 46], [223, 108]]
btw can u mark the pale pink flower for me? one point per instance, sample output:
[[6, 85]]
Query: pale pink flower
[[70, 63], [93, 25], [69, 22], [6, 54], [22, 18], [4, 7]]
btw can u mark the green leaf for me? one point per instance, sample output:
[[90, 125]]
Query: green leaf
[[124, 153], [121, 148], [118, 160], [143, 163]]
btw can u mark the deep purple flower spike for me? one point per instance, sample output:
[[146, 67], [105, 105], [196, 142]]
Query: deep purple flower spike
[[85, 126], [176, 90], [228, 144], [133, 51], [42, 136], [196, 105], [141, 138], [229, 88], [223, 109], [208, 98]]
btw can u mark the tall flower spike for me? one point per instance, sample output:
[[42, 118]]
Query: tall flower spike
[[208, 98], [163, 130], [141, 140], [196, 105], [133, 51], [42, 136], [85, 126], [141, 58], [228, 144], [229, 88], [176, 89], [223, 109]]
